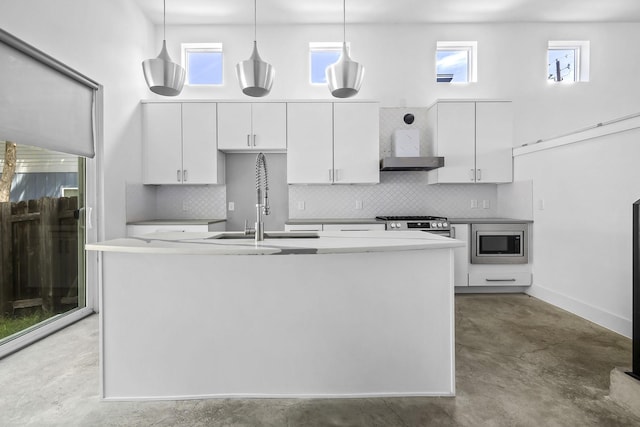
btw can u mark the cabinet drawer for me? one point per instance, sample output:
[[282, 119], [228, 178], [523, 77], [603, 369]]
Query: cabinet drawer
[[354, 227], [500, 279], [138, 230], [303, 227]]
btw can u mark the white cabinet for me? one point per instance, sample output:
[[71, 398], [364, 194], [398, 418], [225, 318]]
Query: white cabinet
[[179, 144], [333, 143], [252, 127], [492, 275], [461, 255], [310, 148], [303, 227], [476, 140], [139, 230]]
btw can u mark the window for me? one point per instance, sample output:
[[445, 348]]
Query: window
[[568, 61], [456, 62], [203, 63], [321, 55]]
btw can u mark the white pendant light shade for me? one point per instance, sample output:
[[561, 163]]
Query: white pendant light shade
[[254, 75], [345, 76], [163, 76]]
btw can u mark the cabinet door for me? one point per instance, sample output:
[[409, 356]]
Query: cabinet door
[[234, 126], [162, 143], [461, 255], [199, 148], [353, 227], [455, 139], [269, 131], [310, 143], [356, 143], [494, 142]]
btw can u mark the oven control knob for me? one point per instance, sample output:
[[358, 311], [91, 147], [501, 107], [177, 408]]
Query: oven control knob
[[392, 224], [445, 224], [439, 225], [398, 225]]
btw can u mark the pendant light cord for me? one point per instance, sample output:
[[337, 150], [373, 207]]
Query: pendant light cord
[[344, 20], [164, 19], [255, 20]]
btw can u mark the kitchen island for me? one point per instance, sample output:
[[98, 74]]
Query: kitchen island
[[343, 314]]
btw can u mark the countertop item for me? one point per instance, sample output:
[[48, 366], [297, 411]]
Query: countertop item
[[176, 222], [489, 221], [333, 221], [327, 242]]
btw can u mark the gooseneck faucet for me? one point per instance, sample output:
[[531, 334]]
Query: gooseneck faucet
[[262, 191]]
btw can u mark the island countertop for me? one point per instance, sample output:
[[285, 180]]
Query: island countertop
[[327, 242]]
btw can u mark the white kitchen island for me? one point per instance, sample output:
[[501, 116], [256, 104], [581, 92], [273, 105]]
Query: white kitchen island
[[348, 314]]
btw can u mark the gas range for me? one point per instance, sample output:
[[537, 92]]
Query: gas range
[[433, 224]]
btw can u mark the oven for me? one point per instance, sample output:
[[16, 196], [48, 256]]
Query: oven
[[432, 224], [499, 244]]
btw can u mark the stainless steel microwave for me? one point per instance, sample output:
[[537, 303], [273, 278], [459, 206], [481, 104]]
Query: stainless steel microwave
[[499, 244]]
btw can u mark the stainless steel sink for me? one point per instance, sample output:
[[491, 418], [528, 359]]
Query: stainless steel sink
[[268, 235]]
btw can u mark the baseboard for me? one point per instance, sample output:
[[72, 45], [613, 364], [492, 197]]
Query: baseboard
[[579, 308]]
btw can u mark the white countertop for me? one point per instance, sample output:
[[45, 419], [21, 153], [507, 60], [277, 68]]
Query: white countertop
[[328, 242]]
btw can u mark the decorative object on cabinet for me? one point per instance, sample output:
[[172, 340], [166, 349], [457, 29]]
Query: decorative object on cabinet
[[345, 76], [254, 75], [163, 76]]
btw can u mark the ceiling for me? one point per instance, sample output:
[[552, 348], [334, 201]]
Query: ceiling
[[391, 11]]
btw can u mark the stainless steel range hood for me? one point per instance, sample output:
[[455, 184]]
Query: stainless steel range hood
[[411, 163]]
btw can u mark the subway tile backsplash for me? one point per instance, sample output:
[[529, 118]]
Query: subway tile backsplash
[[399, 193]]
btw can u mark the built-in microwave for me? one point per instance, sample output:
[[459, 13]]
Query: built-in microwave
[[499, 244]]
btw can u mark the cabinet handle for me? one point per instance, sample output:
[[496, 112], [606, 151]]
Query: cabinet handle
[[254, 139], [184, 175], [248, 140], [472, 174], [178, 175], [500, 280], [478, 174], [330, 175]]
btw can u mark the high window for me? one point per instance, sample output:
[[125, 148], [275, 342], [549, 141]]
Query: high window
[[203, 63], [456, 62], [568, 61], [321, 55]]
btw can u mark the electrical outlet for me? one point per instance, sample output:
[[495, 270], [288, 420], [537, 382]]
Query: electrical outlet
[[486, 204], [301, 205], [474, 204], [541, 204], [232, 206], [358, 204]]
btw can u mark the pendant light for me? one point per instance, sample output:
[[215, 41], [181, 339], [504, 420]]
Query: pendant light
[[254, 75], [163, 76], [344, 78]]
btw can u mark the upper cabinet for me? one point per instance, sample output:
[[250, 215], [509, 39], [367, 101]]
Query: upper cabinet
[[259, 126], [333, 143], [179, 144], [476, 140]]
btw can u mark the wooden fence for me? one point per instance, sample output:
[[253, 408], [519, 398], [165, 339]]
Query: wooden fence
[[38, 254]]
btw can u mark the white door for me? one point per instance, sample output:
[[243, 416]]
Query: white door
[[269, 130], [494, 142], [162, 143], [234, 126], [456, 141], [310, 143], [356, 142], [199, 148]]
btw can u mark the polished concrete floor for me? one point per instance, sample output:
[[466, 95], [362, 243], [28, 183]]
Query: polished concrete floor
[[519, 361]]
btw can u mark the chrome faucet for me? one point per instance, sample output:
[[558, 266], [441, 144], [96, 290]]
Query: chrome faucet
[[262, 204]]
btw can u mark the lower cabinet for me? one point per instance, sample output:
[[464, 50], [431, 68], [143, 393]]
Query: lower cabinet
[[499, 276]]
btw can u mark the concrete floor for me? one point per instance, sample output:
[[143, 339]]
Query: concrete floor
[[520, 362]]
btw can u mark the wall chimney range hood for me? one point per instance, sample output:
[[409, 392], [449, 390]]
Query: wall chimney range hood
[[411, 163]]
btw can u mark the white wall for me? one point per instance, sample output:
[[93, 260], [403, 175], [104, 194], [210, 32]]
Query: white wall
[[582, 238], [105, 40], [400, 67]]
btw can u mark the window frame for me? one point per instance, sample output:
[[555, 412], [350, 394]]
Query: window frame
[[581, 59], [323, 47], [470, 47], [213, 47]]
